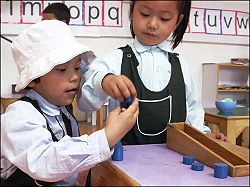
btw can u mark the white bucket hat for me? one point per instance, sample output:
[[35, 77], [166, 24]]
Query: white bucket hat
[[39, 48]]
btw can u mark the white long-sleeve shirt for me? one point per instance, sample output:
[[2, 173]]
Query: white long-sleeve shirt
[[154, 70], [27, 144]]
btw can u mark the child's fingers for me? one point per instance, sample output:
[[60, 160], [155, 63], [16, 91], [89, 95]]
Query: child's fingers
[[134, 106], [116, 94], [119, 87], [116, 111], [124, 90], [136, 113], [130, 87], [220, 136], [126, 87], [225, 138]]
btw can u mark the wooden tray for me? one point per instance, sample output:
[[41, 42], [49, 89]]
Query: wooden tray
[[187, 140]]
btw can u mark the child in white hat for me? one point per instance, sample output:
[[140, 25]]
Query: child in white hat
[[40, 138]]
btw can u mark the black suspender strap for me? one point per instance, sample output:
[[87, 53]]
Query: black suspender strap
[[70, 110], [67, 123], [19, 177], [36, 105]]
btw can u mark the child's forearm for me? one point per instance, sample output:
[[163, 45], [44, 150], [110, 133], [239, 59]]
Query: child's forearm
[[91, 96]]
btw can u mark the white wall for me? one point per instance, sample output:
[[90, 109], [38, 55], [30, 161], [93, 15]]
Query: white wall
[[198, 53], [194, 52]]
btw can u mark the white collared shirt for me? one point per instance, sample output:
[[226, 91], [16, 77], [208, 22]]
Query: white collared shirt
[[154, 70], [27, 144]]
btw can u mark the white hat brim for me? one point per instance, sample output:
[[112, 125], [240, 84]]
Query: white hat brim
[[46, 63]]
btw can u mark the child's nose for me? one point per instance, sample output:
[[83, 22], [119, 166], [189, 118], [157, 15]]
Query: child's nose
[[75, 76], [152, 24]]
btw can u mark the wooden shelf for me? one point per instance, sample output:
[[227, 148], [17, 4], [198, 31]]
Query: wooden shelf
[[222, 80], [233, 90], [233, 65]]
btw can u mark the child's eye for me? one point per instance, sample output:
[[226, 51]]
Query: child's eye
[[78, 68], [61, 69], [144, 14], [165, 19]]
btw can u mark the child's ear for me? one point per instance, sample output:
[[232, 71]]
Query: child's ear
[[32, 84]]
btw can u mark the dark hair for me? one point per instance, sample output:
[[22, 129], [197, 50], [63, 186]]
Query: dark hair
[[184, 7], [60, 10], [37, 80]]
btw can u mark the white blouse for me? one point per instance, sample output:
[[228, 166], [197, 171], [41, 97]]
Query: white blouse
[[154, 70], [27, 144]]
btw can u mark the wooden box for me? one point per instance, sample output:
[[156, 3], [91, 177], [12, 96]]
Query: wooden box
[[187, 140]]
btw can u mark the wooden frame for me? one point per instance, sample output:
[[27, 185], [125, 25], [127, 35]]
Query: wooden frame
[[187, 140], [231, 126], [107, 174]]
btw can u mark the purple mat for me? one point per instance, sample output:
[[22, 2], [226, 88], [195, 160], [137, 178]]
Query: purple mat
[[157, 165]]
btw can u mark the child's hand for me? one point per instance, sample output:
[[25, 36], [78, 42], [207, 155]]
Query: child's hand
[[118, 87], [120, 121], [218, 135]]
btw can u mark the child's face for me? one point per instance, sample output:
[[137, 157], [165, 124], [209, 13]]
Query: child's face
[[154, 21], [61, 84]]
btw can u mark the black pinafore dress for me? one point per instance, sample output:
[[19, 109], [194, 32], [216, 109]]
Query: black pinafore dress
[[156, 109]]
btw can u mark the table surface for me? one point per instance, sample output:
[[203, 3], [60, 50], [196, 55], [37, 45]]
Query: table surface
[[238, 111], [157, 165]]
